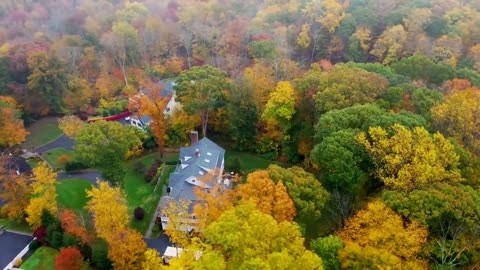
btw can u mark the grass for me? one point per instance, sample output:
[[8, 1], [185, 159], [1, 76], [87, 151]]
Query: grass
[[248, 162], [140, 193], [71, 193], [52, 155], [33, 162], [42, 259], [42, 132], [14, 225]]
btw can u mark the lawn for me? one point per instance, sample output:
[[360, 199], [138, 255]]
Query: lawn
[[14, 225], [51, 156], [42, 259], [140, 193], [71, 193], [33, 162], [248, 162], [42, 132]]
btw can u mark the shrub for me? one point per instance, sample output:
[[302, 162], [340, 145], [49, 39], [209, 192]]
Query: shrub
[[152, 171], [64, 159], [34, 245], [70, 240], [74, 166], [139, 213], [83, 116], [138, 166], [41, 234], [171, 162], [100, 255], [69, 258], [18, 262]]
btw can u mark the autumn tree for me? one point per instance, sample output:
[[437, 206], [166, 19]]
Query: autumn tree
[[44, 194], [152, 104], [201, 90], [281, 105], [378, 237], [327, 248], [73, 225], [15, 191], [457, 117], [179, 125], [109, 206], [69, 258], [126, 249], [47, 79], [13, 131], [343, 87], [178, 221], [390, 45], [259, 80], [282, 246], [106, 145], [269, 198], [152, 261], [71, 125], [410, 159]]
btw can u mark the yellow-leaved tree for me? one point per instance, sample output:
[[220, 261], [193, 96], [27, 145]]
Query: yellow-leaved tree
[[44, 194], [270, 198], [109, 207], [15, 191], [410, 159], [71, 125], [379, 238], [152, 261], [126, 249]]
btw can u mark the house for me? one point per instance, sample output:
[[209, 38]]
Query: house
[[167, 91], [200, 166]]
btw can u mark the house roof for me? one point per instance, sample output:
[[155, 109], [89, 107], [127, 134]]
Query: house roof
[[196, 162]]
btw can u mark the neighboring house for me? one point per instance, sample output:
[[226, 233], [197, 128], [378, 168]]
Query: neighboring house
[[200, 165], [166, 92]]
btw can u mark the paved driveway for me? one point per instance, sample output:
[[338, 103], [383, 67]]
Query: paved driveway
[[88, 175], [63, 142], [160, 244], [10, 245]]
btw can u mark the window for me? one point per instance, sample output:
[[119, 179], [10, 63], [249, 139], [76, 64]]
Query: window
[[207, 160]]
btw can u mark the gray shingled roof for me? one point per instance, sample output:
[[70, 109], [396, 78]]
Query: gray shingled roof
[[211, 157]]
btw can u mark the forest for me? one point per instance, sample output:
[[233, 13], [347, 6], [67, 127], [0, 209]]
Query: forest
[[369, 111]]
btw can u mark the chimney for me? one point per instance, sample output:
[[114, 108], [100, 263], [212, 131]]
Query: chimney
[[197, 153], [194, 137]]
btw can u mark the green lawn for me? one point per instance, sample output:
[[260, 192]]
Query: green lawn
[[140, 193], [42, 132], [71, 193], [14, 225], [51, 156], [248, 162], [42, 259], [33, 162]]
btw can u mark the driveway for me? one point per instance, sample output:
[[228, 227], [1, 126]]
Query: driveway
[[160, 244], [10, 245], [63, 142]]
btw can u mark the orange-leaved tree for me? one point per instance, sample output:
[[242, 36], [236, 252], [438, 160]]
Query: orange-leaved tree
[[15, 191], [12, 130], [69, 258], [72, 224]]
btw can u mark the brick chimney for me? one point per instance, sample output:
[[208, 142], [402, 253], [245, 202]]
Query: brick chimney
[[194, 137]]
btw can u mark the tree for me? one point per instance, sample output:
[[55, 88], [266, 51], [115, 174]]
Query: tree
[[305, 190], [109, 207], [242, 118], [152, 104], [44, 194], [47, 79], [106, 145], [15, 190], [126, 249], [378, 237], [71, 125], [457, 117], [13, 131], [259, 80], [419, 67], [151, 260], [241, 231], [69, 258], [281, 105], [201, 90], [179, 125], [178, 222], [410, 159], [71, 224], [327, 248], [343, 87], [389, 46], [269, 198]]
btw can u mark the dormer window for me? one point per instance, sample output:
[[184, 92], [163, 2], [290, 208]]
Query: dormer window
[[209, 154], [207, 160]]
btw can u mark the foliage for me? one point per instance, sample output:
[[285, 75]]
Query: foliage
[[69, 259], [107, 145], [127, 249], [281, 105], [139, 213], [327, 248], [410, 159], [269, 198], [377, 236], [44, 194], [100, 254], [71, 125], [71, 224], [152, 171], [201, 90], [13, 131], [15, 191], [152, 261]]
